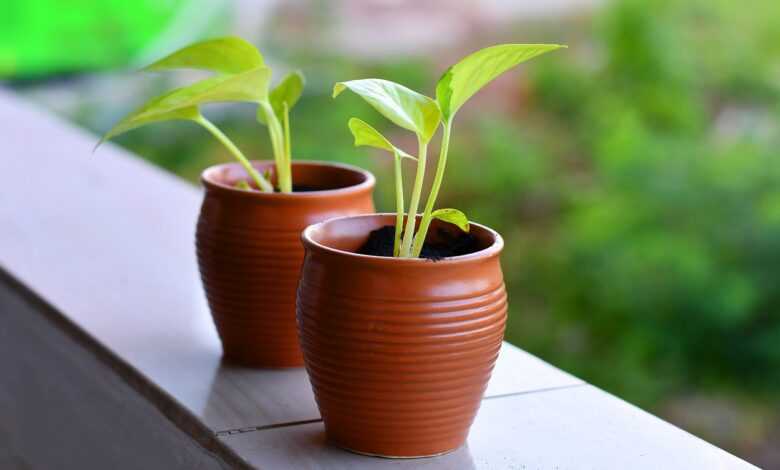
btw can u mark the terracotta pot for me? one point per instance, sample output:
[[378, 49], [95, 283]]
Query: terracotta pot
[[399, 351], [250, 254]]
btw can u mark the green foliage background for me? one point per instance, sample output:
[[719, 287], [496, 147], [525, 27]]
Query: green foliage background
[[669, 250]]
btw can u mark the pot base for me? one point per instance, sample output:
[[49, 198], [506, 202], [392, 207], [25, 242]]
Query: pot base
[[369, 454]]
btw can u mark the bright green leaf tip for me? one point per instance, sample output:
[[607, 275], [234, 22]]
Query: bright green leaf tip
[[404, 107], [229, 54], [461, 81], [453, 216], [182, 103], [366, 135], [287, 92], [338, 88]]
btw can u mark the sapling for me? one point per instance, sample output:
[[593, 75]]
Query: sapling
[[241, 75], [423, 115], [366, 135]]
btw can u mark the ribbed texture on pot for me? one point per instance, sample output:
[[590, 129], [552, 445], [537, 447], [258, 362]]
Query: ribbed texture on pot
[[250, 281], [250, 254], [399, 358]]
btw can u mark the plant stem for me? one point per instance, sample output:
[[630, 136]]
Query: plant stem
[[411, 216], [287, 144], [422, 232], [399, 206], [276, 133], [262, 183]]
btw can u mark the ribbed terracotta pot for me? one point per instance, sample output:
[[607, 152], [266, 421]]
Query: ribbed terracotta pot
[[250, 253], [399, 351]]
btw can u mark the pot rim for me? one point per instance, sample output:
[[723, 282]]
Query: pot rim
[[208, 180], [490, 251]]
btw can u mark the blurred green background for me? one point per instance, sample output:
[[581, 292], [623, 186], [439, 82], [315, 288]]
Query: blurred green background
[[634, 176]]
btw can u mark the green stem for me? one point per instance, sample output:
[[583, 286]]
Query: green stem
[[287, 144], [411, 215], [399, 206], [262, 183], [422, 232], [276, 133]]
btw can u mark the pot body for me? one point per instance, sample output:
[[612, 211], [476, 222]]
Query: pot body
[[399, 351], [250, 254]]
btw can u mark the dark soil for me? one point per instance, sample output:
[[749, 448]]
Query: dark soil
[[297, 188], [447, 243], [303, 188]]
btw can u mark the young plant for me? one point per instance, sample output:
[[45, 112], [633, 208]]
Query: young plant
[[423, 115], [240, 76], [366, 135]]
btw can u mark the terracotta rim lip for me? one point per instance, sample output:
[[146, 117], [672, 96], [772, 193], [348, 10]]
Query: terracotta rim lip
[[310, 244], [209, 180]]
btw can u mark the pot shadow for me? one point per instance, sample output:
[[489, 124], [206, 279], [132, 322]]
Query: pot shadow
[[280, 402], [311, 441], [241, 397], [460, 458]]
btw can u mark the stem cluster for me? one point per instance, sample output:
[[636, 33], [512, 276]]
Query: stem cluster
[[425, 222], [412, 242], [279, 133], [262, 183]]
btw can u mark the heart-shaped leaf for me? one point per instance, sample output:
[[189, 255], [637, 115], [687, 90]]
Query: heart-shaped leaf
[[462, 80], [366, 135], [182, 103], [453, 216], [288, 91], [224, 55], [404, 107]]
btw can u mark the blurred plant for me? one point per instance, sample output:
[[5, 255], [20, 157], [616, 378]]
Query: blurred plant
[[665, 265], [242, 76]]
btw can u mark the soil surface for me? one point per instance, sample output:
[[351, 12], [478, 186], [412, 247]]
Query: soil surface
[[447, 244], [304, 189]]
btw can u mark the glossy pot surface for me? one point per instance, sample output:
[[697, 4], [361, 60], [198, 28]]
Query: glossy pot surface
[[399, 351], [250, 254]]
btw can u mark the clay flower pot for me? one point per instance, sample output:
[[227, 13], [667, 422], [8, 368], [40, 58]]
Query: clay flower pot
[[399, 351], [250, 253]]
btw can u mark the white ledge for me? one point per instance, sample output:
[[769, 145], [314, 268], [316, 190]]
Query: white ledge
[[107, 240]]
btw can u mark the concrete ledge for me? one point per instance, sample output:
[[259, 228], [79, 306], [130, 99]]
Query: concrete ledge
[[110, 359]]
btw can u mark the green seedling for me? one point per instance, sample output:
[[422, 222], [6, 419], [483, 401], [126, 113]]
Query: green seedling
[[240, 76], [423, 115], [366, 135]]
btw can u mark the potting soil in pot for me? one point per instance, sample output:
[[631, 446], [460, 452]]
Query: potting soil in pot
[[446, 244]]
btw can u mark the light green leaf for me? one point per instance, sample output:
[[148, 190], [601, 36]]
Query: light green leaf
[[241, 184], [288, 90], [139, 118], [453, 216], [462, 80], [403, 106], [182, 103], [366, 135], [224, 55]]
